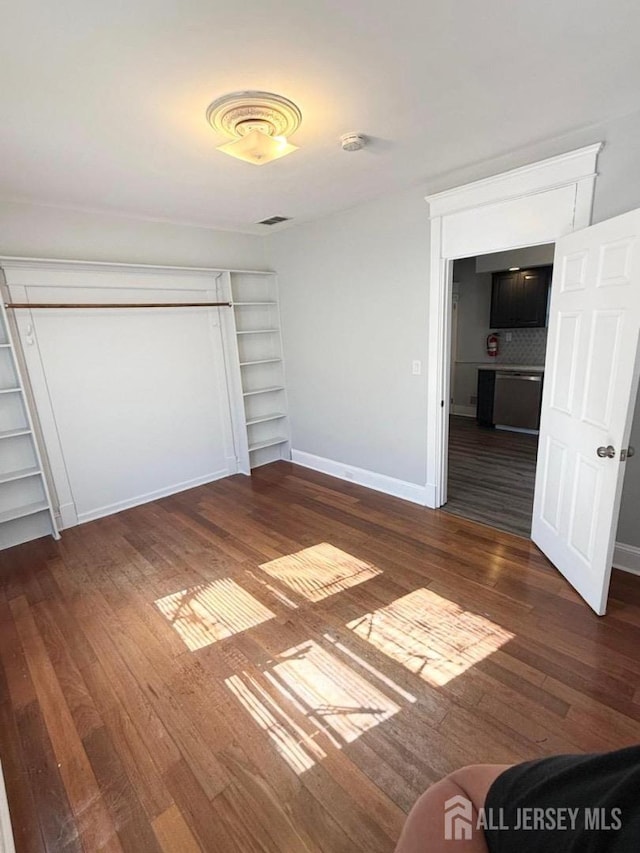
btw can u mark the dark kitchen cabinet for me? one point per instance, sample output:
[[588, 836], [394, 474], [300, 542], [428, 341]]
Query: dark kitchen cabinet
[[486, 392], [519, 298]]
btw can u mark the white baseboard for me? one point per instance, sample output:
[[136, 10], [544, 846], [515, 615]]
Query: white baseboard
[[627, 558], [372, 480], [110, 509], [523, 430], [464, 411], [66, 516], [6, 835]]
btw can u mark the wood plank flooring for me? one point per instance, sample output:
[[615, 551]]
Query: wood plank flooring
[[491, 475], [282, 663]]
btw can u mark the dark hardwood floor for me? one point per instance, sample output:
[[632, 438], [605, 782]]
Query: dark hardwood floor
[[491, 475], [283, 663]]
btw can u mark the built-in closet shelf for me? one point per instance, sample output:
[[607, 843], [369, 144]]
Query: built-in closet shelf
[[19, 475], [263, 419], [264, 422], [260, 332], [23, 511], [263, 390], [268, 442], [27, 512], [13, 433]]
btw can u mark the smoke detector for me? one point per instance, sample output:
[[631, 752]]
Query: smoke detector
[[352, 141]]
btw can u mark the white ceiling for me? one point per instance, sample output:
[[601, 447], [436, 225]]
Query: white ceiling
[[103, 101]]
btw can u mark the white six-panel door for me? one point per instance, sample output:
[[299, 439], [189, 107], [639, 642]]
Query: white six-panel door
[[587, 405]]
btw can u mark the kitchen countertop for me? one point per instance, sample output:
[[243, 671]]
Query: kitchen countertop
[[520, 368]]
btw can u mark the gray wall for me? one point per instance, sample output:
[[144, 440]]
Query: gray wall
[[354, 317], [474, 302], [30, 230], [354, 300]]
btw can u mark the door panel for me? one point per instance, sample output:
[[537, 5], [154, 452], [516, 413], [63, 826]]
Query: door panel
[[563, 373], [601, 370], [574, 268], [585, 494], [554, 477], [588, 401]]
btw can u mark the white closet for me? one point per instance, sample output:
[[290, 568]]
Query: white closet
[[136, 403]]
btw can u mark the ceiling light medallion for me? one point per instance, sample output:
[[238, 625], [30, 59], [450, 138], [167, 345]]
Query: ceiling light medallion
[[259, 124]]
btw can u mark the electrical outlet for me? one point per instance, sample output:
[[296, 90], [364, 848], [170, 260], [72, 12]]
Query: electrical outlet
[[416, 368], [473, 400], [508, 337]]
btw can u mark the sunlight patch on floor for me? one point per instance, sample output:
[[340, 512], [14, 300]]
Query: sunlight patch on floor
[[320, 571], [329, 692], [206, 613], [282, 597], [430, 635], [371, 670], [295, 746], [326, 697]]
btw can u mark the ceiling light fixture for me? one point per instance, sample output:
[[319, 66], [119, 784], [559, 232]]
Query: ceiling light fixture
[[259, 124]]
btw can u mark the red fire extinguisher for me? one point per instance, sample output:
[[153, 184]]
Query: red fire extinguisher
[[492, 345]]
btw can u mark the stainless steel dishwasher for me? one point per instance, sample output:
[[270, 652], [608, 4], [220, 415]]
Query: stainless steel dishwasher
[[517, 399]]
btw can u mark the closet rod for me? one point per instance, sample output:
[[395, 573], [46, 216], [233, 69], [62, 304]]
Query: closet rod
[[118, 304]]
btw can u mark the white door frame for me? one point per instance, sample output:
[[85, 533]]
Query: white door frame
[[453, 349], [528, 206]]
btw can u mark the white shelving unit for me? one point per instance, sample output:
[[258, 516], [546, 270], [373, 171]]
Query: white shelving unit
[[260, 369], [26, 511]]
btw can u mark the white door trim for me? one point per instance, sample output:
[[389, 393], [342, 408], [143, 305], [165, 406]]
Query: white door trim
[[528, 206]]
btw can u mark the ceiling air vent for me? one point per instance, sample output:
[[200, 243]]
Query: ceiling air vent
[[274, 220]]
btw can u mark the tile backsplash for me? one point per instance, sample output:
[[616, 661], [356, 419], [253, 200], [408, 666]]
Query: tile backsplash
[[527, 346]]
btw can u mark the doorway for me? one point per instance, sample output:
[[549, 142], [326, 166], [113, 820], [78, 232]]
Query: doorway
[[532, 205], [588, 400], [592, 366], [498, 343]]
